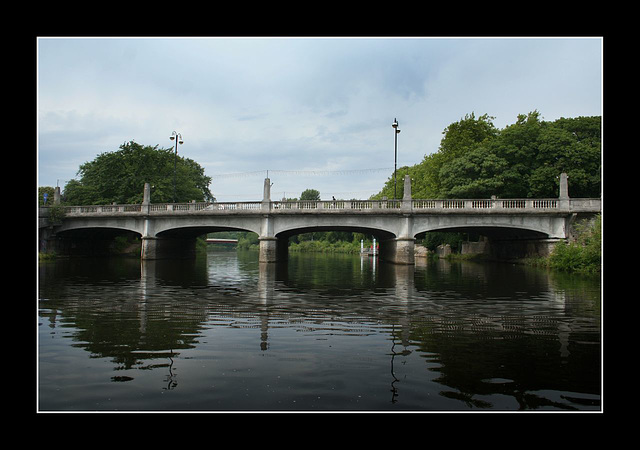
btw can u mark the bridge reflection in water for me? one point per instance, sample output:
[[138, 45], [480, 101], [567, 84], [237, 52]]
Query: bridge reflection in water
[[428, 336]]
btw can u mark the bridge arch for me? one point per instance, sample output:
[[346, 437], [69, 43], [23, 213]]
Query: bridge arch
[[193, 231], [379, 234], [495, 227], [196, 226], [494, 233], [92, 240], [133, 225], [384, 228]]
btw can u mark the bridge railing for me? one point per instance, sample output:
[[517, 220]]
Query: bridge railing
[[335, 205], [475, 204], [416, 205], [203, 206], [102, 209]]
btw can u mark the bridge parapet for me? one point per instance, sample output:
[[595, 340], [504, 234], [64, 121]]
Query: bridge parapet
[[466, 206], [102, 209]]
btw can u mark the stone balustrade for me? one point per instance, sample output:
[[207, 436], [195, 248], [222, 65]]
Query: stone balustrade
[[329, 206]]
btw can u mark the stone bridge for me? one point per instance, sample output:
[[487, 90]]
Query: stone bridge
[[512, 226]]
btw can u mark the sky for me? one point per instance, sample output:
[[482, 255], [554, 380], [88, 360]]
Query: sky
[[312, 113]]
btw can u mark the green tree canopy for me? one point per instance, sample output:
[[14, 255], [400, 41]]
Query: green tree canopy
[[310, 194], [119, 177], [523, 160], [458, 138]]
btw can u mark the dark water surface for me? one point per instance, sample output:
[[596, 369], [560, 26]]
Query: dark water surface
[[319, 333]]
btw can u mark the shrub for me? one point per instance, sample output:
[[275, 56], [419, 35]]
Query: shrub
[[582, 255]]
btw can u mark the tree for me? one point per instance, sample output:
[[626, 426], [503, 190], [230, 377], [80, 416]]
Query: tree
[[461, 136], [389, 187], [572, 146], [458, 139], [45, 190], [523, 160], [310, 194], [119, 177], [517, 144], [477, 174]]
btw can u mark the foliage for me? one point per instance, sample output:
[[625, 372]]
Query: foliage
[[435, 238], [324, 246], [523, 160], [310, 194], [119, 177], [49, 191], [584, 253], [56, 213], [248, 240]]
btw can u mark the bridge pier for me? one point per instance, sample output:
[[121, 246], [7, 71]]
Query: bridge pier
[[398, 251], [268, 249], [273, 249], [161, 248], [149, 248]]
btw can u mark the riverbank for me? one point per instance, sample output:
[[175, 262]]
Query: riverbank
[[325, 247], [582, 254]]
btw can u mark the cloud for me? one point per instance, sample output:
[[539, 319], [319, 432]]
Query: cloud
[[257, 104]]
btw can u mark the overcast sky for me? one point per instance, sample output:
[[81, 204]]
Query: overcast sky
[[314, 112]]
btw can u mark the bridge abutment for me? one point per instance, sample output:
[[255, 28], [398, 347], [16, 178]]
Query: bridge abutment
[[509, 250]]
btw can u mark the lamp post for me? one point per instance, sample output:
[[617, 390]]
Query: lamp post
[[395, 161], [179, 140]]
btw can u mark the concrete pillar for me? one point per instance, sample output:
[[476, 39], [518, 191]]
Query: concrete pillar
[[163, 248], [268, 249], [146, 199], [407, 188], [564, 186], [266, 195], [56, 195], [270, 246], [406, 198], [563, 198], [398, 251], [405, 248], [273, 249], [149, 248]]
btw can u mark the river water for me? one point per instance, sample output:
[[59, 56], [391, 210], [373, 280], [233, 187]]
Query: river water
[[318, 333]]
